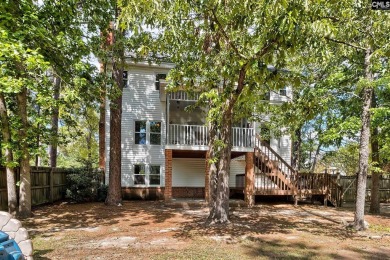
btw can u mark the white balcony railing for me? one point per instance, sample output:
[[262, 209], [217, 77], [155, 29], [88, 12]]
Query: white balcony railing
[[188, 134], [184, 96], [198, 135], [242, 137]]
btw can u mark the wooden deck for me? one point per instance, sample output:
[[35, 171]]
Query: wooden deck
[[275, 177]]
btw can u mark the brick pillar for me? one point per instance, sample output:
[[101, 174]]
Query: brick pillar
[[207, 179], [249, 191], [168, 175]]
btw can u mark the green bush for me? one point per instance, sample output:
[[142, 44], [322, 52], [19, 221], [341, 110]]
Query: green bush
[[85, 185]]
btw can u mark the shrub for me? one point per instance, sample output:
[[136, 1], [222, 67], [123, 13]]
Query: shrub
[[85, 185]]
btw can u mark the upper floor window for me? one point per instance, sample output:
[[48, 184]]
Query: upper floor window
[[157, 82], [147, 132], [140, 132], [283, 91], [125, 78], [155, 132]]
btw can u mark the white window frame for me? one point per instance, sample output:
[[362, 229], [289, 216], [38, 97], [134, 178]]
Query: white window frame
[[147, 174], [148, 132], [150, 174], [144, 175]]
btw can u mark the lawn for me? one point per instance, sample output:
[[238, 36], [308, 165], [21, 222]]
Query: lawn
[[153, 230]]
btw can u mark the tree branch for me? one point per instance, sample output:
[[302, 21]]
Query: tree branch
[[265, 49], [225, 35], [345, 43]]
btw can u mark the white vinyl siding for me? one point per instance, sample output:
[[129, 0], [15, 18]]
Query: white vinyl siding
[[188, 172], [237, 166], [140, 102], [282, 146]]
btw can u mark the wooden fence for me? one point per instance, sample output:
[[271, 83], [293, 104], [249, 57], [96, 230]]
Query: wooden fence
[[47, 185], [349, 188]]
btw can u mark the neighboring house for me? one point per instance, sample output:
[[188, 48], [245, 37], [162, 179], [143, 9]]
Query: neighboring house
[[164, 147]]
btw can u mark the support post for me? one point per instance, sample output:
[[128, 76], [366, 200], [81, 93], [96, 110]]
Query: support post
[[168, 175], [207, 179], [249, 191]]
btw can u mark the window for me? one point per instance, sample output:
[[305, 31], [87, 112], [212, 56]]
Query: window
[[157, 82], [154, 176], [140, 132], [139, 174], [155, 132], [144, 175], [266, 96], [283, 91], [125, 78], [147, 132]]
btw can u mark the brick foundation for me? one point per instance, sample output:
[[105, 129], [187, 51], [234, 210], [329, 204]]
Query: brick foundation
[[158, 193], [188, 192], [136, 193]]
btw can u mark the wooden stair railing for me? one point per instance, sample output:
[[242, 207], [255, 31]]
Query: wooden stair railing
[[271, 164], [273, 168]]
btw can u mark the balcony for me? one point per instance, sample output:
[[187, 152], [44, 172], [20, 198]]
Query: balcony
[[196, 137], [184, 96]]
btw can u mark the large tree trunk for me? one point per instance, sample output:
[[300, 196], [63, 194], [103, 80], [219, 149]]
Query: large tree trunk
[[102, 122], [212, 165], [219, 212], [10, 171], [375, 175], [363, 149], [54, 123], [25, 179], [114, 196]]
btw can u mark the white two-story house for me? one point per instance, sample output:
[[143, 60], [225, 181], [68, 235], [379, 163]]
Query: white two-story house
[[164, 146]]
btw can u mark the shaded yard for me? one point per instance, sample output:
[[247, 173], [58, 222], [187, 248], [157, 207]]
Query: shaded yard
[[151, 230]]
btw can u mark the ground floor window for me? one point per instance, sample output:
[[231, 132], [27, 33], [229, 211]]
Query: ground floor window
[[154, 175], [147, 175], [139, 174]]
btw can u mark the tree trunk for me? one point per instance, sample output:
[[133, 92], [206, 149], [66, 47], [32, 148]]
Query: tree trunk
[[317, 154], [37, 157], [54, 123], [10, 171], [296, 154], [25, 179], [102, 122], [88, 140], [219, 213], [114, 196], [212, 166], [375, 175], [363, 149]]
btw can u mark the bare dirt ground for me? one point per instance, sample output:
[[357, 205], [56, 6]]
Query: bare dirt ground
[[152, 230]]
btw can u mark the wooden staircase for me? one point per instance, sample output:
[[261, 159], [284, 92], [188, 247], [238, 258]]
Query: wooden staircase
[[274, 176]]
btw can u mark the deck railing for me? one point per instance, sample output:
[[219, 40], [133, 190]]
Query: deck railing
[[319, 183], [198, 135], [242, 137], [184, 96], [271, 155], [188, 134]]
